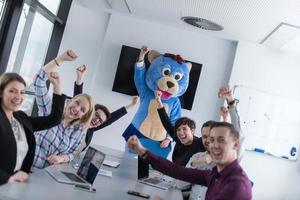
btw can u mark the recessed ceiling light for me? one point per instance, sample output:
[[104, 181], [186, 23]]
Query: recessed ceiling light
[[284, 36], [202, 23]]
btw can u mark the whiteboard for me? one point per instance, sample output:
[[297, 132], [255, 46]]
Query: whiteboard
[[270, 123]]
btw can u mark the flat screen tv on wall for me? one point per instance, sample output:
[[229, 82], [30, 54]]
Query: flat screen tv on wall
[[124, 82]]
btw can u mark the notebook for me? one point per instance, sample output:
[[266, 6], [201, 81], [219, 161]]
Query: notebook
[[86, 173], [156, 181]]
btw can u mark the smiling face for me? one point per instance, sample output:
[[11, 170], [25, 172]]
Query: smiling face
[[12, 96], [205, 137], [222, 146], [98, 118], [77, 108], [185, 134]]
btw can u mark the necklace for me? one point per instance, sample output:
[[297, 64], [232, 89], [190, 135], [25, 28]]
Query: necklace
[[16, 129]]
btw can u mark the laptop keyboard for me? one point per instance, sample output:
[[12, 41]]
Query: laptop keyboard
[[72, 177]]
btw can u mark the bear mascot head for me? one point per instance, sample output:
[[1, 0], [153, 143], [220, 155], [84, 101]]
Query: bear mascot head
[[167, 73]]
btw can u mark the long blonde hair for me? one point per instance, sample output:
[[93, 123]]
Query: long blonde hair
[[86, 119]]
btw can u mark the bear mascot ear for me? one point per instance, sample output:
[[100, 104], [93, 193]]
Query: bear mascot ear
[[189, 66], [152, 55]]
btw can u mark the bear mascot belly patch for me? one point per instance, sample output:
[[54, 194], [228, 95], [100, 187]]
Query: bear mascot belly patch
[[168, 74]]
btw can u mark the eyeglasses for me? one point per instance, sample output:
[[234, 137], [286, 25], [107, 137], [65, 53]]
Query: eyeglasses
[[99, 117]]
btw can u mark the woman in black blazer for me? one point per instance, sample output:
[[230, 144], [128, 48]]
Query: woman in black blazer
[[17, 142]]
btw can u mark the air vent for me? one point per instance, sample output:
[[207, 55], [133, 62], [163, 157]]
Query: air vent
[[202, 23]]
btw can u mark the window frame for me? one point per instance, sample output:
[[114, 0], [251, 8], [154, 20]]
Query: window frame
[[11, 17]]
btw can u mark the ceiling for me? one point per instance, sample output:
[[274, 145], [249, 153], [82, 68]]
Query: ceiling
[[250, 20]]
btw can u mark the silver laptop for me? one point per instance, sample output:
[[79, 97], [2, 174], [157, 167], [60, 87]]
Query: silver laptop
[[86, 173], [143, 177]]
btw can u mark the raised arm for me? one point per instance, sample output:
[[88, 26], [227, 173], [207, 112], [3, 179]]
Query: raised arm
[[57, 105], [117, 114], [164, 118], [175, 112], [236, 122], [68, 55], [139, 72], [40, 82], [42, 96], [134, 101], [78, 85], [227, 93], [224, 114]]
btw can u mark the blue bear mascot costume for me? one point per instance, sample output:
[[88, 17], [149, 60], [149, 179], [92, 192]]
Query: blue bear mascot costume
[[168, 74]]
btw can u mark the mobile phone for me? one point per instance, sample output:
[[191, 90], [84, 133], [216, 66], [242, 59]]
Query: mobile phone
[[84, 188], [139, 194]]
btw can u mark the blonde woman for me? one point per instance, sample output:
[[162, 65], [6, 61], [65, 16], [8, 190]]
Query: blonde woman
[[60, 143]]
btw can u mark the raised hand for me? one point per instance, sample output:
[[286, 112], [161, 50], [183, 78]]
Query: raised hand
[[224, 113], [80, 71], [165, 143], [158, 94], [226, 93], [20, 176], [68, 55], [134, 101], [55, 80], [143, 52], [134, 144]]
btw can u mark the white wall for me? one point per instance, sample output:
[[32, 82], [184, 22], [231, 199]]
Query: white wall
[[84, 33], [278, 73]]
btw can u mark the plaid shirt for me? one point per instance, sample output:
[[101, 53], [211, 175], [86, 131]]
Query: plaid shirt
[[58, 140]]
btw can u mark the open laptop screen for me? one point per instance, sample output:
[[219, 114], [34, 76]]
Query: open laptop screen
[[91, 164]]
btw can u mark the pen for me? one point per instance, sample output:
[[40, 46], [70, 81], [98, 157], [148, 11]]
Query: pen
[[259, 150]]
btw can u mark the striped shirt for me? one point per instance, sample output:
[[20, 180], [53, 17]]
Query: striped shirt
[[58, 140]]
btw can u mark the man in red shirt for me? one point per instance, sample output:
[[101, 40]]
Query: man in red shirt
[[225, 181]]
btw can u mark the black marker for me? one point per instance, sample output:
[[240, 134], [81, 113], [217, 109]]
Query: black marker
[[139, 194]]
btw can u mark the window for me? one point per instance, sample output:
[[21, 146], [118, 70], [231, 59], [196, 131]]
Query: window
[[51, 5], [32, 34], [30, 43], [2, 7]]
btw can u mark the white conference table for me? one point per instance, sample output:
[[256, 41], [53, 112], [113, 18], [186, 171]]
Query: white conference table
[[41, 186]]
